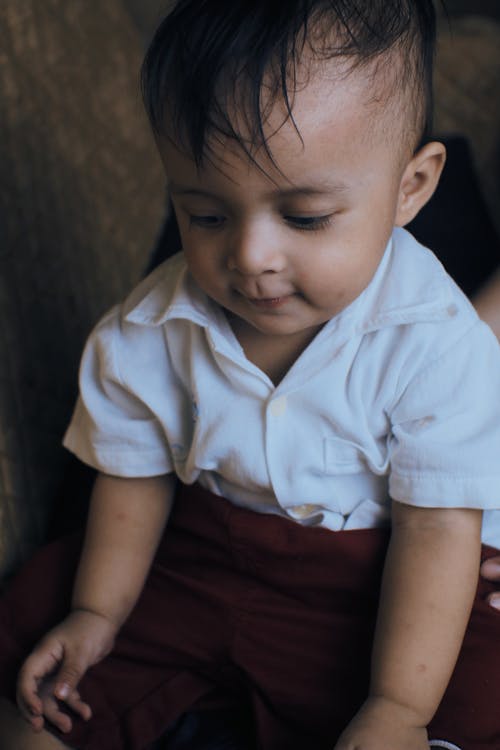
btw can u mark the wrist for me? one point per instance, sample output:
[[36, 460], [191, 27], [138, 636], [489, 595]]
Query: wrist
[[382, 723], [394, 711], [100, 620]]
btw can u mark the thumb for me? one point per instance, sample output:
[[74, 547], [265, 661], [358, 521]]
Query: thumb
[[68, 678], [490, 569]]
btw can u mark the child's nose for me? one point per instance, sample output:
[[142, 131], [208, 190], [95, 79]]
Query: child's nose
[[255, 250]]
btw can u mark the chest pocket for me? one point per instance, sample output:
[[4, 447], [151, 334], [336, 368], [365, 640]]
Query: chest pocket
[[343, 457]]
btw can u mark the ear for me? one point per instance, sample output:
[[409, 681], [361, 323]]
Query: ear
[[419, 181]]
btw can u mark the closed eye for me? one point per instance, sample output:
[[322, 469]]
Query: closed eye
[[207, 222], [309, 223], [301, 223]]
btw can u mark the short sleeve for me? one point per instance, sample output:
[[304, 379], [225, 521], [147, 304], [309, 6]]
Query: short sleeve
[[114, 427], [445, 440]]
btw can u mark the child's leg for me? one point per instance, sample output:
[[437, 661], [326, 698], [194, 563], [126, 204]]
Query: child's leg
[[16, 734], [166, 658], [238, 604]]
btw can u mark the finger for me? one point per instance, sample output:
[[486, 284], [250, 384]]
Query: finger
[[37, 723], [75, 702], [56, 716], [494, 600], [35, 720], [490, 569], [27, 697], [69, 676], [38, 665]]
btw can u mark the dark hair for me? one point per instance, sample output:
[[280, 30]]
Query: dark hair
[[208, 55]]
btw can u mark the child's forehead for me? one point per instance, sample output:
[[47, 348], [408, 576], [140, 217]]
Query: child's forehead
[[335, 94], [333, 121]]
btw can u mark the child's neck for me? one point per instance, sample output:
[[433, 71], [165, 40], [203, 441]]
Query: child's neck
[[273, 354]]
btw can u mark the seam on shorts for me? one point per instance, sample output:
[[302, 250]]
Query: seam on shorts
[[444, 744]]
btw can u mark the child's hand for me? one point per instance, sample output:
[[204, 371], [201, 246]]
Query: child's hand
[[51, 673], [383, 725], [490, 569]]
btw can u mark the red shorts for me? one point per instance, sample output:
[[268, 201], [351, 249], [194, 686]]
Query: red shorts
[[250, 609]]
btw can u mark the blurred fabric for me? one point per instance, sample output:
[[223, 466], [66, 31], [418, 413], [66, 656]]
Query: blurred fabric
[[80, 203]]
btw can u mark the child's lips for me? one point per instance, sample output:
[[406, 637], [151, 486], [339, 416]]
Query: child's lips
[[267, 302], [266, 299]]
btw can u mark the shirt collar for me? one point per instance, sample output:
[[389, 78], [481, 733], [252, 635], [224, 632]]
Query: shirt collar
[[409, 286], [169, 293]]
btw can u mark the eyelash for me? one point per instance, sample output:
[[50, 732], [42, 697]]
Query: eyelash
[[300, 223], [309, 223], [207, 222]]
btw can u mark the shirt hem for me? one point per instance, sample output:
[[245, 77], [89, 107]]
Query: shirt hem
[[446, 492], [123, 465]]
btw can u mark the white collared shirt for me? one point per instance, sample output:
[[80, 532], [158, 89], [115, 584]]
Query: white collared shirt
[[397, 396]]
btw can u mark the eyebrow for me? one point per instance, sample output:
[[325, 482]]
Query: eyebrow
[[323, 188]]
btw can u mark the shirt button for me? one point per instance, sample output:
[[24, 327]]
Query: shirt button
[[304, 511], [278, 407]]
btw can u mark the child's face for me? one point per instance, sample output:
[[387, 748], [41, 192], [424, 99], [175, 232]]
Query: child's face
[[283, 251]]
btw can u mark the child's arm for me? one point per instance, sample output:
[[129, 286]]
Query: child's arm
[[126, 521], [429, 582]]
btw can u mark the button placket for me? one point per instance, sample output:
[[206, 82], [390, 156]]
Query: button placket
[[278, 406], [276, 438]]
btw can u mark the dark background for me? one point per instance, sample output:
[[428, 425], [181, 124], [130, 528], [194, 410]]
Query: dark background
[[147, 12]]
